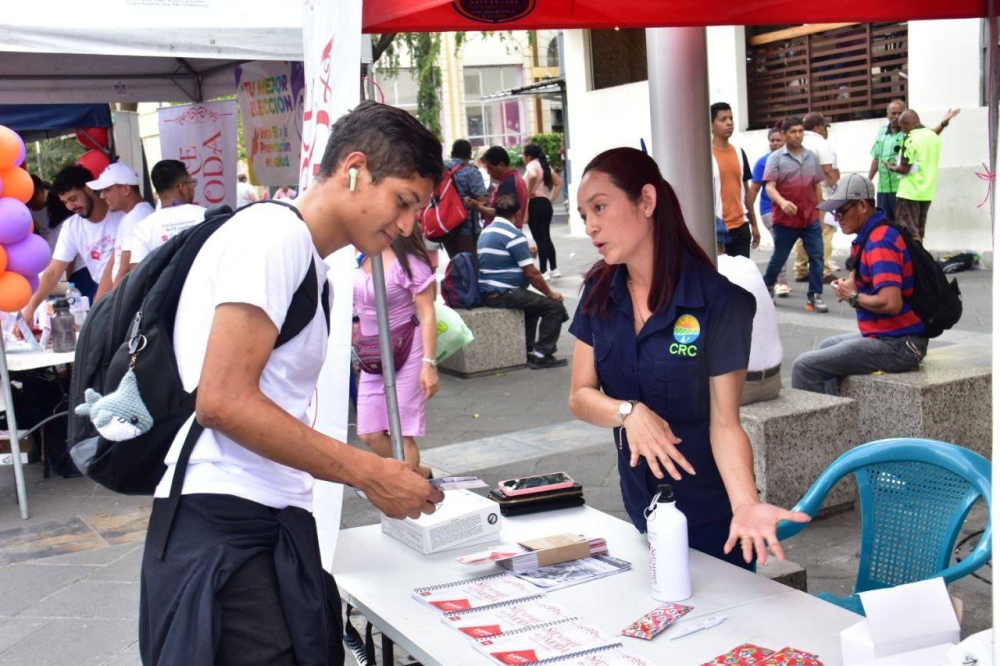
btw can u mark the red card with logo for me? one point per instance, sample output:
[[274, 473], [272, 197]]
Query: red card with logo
[[789, 656], [656, 620], [747, 654]]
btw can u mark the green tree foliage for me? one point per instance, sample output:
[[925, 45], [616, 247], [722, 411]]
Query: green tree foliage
[[48, 157], [551, 145]]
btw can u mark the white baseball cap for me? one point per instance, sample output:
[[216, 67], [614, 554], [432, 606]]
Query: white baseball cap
[[118, 173]]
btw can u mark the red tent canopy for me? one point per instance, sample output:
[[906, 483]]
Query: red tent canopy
[[382, 16]]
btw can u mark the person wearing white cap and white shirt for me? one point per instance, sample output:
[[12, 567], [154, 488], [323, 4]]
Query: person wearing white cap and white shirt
[[175, 188], [118, 186], [763, 380]]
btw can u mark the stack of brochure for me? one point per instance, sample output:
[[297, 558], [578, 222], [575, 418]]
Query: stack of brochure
[[558, 576], [564, 642], [553, 550], [472, 593]]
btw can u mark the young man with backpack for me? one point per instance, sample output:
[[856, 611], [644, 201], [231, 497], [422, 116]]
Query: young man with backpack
[[509, 183], [900, 295], [239, 579]]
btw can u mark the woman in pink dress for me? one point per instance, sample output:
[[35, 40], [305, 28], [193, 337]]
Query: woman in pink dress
[[410, 290]]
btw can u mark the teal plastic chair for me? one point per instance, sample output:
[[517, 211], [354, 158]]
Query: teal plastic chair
[[915, 495]]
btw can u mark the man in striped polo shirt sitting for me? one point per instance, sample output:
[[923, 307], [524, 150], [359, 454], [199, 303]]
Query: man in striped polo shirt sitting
[[891, 337], [506, 268]]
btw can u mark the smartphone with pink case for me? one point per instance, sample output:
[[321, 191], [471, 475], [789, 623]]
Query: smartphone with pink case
[[539, 483]]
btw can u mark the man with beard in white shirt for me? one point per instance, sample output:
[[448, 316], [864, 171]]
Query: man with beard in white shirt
[[175, 188], [119, 188], [90, 234]]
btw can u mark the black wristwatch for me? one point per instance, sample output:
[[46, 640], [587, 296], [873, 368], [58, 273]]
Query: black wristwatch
[[852, 300]]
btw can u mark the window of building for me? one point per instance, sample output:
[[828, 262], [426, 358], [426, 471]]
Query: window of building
[[617, 57], [848, 72], [399, 90], [493, 122]]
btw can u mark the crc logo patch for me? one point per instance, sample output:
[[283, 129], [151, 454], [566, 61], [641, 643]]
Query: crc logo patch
[[492, 519], [686, 331]]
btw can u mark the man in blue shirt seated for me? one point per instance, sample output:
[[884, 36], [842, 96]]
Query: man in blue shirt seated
[[506, 268]]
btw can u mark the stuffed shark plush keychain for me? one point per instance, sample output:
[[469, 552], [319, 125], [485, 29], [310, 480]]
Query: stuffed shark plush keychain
[[120, 415]]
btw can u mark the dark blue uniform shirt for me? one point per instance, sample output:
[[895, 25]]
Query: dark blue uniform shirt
[[704, 332]]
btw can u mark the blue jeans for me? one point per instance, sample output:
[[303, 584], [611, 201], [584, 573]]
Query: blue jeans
[[887, 202], [784, 241], [852, 354]]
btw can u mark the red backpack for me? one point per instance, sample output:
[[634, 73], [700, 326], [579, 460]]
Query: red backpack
[[446, 211]]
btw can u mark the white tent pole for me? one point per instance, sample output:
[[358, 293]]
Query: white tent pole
[[13, 433], [677, 62]]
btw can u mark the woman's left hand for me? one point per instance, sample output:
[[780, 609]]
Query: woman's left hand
[[754, 527], [429, 381]]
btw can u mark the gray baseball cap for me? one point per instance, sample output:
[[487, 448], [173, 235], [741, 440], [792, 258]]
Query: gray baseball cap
[[849, 188]]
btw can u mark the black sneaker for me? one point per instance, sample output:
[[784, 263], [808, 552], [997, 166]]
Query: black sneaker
[[550, 361]]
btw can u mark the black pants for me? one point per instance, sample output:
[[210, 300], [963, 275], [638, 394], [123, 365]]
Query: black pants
[[536, 307], [455, 243], [540, 223], [739, 241]]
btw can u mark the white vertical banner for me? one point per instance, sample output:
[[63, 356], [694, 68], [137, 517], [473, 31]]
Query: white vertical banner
[[332, 35], [203, 136]]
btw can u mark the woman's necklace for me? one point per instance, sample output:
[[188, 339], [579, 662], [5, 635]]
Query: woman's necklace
[[635, 304]]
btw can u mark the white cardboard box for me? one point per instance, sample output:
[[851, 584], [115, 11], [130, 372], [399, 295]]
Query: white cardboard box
[[901, 619], [464, 518]]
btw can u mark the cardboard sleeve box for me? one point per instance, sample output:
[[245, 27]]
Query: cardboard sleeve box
[[463, 519]]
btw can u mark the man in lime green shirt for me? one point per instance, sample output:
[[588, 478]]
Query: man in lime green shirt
[[918, 169], [887, 148]]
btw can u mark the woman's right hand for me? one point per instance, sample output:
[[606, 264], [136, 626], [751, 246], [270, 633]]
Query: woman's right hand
[[650, 436]]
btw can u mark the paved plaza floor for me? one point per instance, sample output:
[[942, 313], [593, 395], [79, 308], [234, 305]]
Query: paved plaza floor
[[69, 575]]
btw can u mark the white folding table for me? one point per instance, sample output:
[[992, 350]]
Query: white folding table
[[17, 361], [377, 575]]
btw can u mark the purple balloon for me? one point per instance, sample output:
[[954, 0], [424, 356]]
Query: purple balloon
[[29, 256], [33, 281], [15, 220]]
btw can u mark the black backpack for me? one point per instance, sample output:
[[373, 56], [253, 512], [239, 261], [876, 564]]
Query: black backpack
[[134, 327], [936, 301]]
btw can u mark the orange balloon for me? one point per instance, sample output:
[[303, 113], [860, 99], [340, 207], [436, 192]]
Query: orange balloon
[[17, 184], [11, 148], [15, 292]]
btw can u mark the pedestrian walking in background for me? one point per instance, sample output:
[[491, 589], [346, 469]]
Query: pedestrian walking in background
[[544, 185], [775, 139]]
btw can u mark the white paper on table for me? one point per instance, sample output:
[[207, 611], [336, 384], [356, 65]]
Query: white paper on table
[[911, 616]]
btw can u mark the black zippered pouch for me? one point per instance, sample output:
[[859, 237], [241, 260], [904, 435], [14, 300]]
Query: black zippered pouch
[[564, 498]]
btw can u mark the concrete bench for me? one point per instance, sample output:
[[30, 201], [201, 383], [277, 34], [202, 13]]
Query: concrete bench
[[942, 400], [794, 438], [498, 345]]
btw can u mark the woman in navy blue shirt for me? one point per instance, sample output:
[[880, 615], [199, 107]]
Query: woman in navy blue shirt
[[662, 348]]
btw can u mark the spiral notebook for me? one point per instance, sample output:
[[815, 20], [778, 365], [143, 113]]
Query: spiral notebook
[[547, 643], [481, 592], [505, 618]]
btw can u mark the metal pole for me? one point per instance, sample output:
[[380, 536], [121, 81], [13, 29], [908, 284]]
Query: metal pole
[[15, 442], [677, 61], [385, 347]]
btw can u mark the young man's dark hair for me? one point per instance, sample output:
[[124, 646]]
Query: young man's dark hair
[[790, 122], [507, 207], [461, 150], [166, 174], [719, 106], [394, 143], [496, 155], [73, 177]]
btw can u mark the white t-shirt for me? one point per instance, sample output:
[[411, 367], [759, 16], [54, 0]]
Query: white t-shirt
[[234, 266], [816, 143], [244, 192], [163, 224], [765, 344], [94, 242], [123, 242]]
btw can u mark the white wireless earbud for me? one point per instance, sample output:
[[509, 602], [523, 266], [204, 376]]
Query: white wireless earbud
[[353, 173]]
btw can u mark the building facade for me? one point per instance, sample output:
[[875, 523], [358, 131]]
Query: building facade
[[849, 72]]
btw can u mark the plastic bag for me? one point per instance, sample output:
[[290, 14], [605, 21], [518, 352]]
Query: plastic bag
[[452, 332]]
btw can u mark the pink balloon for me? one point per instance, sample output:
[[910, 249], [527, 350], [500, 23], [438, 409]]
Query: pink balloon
[[28, 256], [33, 282], [15, 220]]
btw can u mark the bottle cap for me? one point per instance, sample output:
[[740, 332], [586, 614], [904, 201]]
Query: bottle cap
[[61, 304], [666, 493]]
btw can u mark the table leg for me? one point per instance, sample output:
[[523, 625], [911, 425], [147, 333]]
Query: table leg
[[387, 649], [15, 441]]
